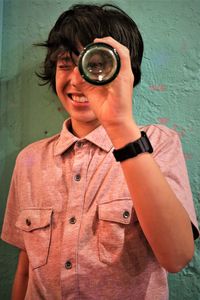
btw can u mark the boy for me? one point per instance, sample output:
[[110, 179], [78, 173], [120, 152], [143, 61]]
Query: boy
[[88, 226]]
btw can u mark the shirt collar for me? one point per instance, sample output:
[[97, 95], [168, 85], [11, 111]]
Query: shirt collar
[[66, 139]]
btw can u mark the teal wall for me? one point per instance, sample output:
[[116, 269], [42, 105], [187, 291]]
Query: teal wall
[[169, 94]]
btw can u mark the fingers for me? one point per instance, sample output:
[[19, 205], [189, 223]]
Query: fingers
[[122, 50], [125, 74], [109, 40]]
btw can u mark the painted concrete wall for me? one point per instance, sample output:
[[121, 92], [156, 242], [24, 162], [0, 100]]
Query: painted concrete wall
[[1, 28], [169, 94]]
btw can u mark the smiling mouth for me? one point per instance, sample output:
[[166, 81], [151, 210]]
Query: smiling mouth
[[78, 98]]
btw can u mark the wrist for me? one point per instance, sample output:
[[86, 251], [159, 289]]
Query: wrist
[[134, 148], [124, 133]]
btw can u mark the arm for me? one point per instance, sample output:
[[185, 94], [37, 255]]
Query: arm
[[21, 277], [163, 219]]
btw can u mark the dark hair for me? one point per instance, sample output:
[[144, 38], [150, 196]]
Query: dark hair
[[81, 24]]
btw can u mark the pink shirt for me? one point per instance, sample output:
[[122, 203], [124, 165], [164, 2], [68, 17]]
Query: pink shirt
[[69, 207]]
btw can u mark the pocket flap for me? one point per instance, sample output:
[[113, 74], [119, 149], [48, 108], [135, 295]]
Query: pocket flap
[[119, 211], [34, 218]]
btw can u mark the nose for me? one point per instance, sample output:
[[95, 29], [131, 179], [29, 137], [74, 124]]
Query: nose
[[76, 78]]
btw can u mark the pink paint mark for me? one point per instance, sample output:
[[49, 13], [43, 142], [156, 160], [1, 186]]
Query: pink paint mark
[[181, 132], [163, 121], [175, 127], [159, 88], [188, 156]]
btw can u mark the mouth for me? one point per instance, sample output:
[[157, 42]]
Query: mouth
[[78, 98]]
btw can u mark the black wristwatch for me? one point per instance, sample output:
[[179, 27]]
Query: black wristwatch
[[133, 149]]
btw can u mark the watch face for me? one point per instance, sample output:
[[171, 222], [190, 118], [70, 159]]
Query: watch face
[[99, 63]]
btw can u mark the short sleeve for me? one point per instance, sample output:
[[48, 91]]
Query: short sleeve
[[169, 156], [10, 233]]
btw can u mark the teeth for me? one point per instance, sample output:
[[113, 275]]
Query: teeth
[[80, 99]]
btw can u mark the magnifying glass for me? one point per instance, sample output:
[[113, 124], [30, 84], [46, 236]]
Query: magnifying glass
[[99, 63]]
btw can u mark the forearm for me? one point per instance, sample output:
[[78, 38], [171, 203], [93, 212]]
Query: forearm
[[163, 219], [19, 287], [21, 277]]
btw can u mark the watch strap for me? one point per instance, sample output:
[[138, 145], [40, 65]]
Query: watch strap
[[133, 149]]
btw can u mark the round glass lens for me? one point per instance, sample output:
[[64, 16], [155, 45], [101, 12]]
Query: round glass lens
[[99, 63]]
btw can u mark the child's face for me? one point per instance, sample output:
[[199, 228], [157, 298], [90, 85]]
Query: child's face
[[69, 93]]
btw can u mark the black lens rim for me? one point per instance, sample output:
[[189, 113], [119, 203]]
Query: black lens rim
[[93, 81]]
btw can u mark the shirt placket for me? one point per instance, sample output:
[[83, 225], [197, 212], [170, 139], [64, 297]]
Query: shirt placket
[[69, 254]]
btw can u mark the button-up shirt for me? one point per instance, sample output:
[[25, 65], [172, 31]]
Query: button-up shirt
[[70, 208]]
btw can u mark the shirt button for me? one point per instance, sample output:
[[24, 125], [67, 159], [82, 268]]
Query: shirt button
[[72, 220], [79, 144], [126, 214], [68, 265], [77, 177], [28, 222]]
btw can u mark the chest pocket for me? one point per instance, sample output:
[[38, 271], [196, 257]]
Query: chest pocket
[[114, 217], [35, 225]]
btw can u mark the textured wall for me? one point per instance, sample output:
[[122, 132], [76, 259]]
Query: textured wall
[[169, 94]]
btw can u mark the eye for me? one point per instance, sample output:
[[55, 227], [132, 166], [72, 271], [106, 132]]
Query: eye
[[65, 64], [67, 67]]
